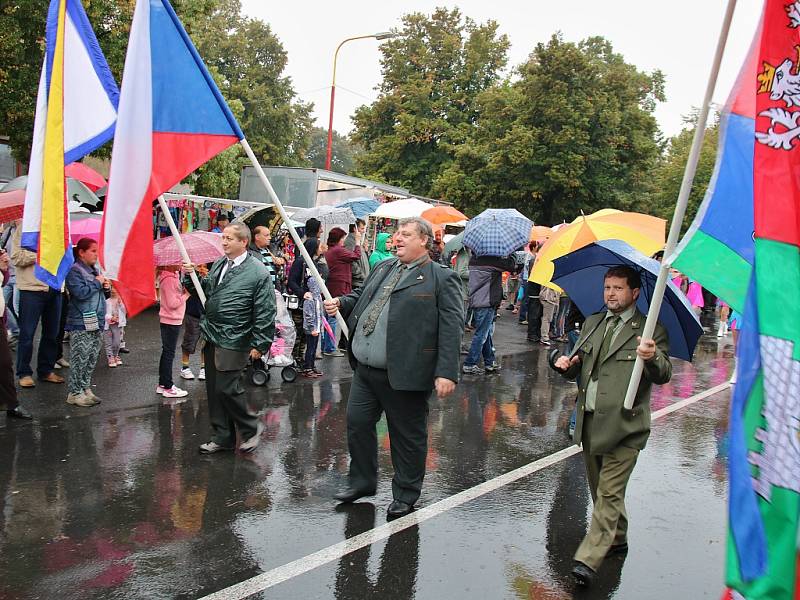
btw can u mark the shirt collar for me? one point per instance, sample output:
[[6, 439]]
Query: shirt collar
[[625, 315], [420, 261], [239, 259]]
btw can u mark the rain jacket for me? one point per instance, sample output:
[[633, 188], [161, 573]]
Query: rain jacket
[[486, 280], [312, 308], [240, 312], [172, 298], [380, 253], [85, 296]]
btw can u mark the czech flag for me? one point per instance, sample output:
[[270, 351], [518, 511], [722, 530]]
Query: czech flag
[[747, 234], [172, 119], [76, 110]]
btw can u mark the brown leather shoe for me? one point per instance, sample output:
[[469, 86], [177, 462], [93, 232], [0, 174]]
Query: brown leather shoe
[[52, 378], [27, 382]]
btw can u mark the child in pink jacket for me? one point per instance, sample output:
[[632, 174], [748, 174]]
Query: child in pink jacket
[[173, 306]]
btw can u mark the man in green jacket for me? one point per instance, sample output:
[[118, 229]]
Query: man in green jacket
[[405, 328], [238, 326], [611, 435]]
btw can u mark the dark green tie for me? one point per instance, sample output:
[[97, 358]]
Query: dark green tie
[[377, 305], [601, 356]]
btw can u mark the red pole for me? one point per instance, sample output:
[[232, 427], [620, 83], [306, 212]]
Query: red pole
[[330, 129]]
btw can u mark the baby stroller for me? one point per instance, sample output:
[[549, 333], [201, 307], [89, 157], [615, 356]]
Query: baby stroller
[[280, 353]]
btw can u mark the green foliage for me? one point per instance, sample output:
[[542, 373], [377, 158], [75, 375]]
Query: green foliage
[[668, 173], [574, 130], [432, 75], [246, 58], [343, 151]]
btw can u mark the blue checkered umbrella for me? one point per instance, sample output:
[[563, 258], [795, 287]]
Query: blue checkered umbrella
[[497, 232]]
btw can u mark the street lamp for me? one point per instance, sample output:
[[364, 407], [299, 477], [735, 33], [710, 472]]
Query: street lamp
[[383, 35]]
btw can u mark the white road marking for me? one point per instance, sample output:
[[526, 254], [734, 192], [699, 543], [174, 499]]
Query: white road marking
[[273, 577]]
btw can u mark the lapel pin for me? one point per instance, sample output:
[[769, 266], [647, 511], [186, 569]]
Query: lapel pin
[[420, 278]]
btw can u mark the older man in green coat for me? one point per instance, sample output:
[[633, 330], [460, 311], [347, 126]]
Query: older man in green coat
[[405, 327], [611, 435], [238, 325]]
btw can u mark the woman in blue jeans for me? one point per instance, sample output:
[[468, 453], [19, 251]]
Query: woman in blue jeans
[[86, 320]]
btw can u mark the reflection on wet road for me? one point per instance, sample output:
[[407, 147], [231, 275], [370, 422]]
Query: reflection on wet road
[[118, 504]]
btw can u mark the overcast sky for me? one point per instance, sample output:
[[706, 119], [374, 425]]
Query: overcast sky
[[677, 37]]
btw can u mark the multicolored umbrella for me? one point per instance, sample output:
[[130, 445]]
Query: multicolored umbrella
[[497, 232], [643, 232], [202, 246], [86, 175], [11, 205], [443, 215]]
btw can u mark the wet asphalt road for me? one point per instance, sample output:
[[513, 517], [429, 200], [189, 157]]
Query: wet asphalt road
[[115, 502]]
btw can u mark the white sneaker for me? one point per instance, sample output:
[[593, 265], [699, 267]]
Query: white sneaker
[[186, 373], [160, 390], [173, 392], [202, 374]]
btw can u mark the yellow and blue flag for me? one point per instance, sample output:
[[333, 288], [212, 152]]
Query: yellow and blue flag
[[76, 113]]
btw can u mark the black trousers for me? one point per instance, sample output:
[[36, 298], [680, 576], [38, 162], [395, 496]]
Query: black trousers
[[227, 405], [534, 317], [8, 391], [407, 417], [169, 341]]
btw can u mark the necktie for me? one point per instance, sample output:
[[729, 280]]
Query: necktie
[[225, 271], [612, 325], [383, 297]]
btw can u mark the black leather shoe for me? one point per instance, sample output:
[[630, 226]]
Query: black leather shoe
[[398, 509], [618, 549], [352, 494], [124, 351], [583, 575], [19, 413]]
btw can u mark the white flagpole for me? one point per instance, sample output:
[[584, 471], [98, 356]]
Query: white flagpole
[[680, 207], [181, 247], [292, 231]]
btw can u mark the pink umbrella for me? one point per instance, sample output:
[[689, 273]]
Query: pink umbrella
[[11, 204], [86, 225], [202, 246], [86, 175]]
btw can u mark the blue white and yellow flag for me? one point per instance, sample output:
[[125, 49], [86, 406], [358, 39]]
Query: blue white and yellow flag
[[76, 112]]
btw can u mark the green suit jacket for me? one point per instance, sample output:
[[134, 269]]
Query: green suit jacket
[[612, 424], [240, 312], [426, 323]]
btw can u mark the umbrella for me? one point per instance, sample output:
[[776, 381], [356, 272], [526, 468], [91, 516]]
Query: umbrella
[[361, 207], [454, 244], [443, 215], [11, 205], [74, 207], [86, 175], [540, 233], [84, 225], [265, 216], [497, 232], [18, 183], [78, 192], [581, 274], [202, 246], [643, 232], [327, 215], [402, 209]]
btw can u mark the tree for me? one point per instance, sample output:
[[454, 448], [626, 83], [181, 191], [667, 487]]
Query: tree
[[574, 131], [668, 173], [432, 75], [343, 151], [245, 57]]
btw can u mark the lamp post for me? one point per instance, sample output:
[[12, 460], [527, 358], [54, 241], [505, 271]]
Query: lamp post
[[383, 35]]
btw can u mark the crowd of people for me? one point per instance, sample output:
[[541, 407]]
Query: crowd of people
[[408, 279]]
